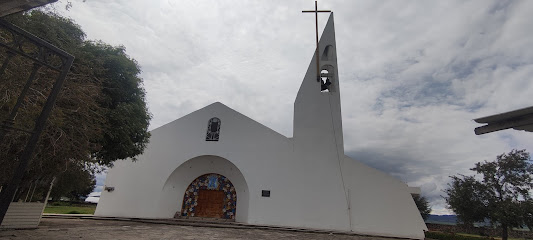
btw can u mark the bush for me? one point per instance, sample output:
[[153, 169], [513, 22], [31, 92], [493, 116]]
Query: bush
[[58, 203], [74, 212], [452, 236]]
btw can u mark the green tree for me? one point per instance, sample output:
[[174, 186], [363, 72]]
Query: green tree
[[75, 183], [423, 206], [99, 117], [501, 195], [465, 197]]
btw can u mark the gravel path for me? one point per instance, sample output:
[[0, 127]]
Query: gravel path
[[62, 229]]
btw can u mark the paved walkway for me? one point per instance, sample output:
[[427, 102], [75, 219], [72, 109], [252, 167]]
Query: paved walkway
[[76, 228]]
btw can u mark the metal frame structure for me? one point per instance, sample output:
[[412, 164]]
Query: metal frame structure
[[16, 41], [8, 7], [521, 119]]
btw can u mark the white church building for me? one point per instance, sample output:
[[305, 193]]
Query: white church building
[[217, 163]]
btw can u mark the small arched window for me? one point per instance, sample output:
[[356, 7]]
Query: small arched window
[[213, 129], [327, 55]]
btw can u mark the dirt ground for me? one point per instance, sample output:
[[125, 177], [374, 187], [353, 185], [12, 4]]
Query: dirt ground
[[62, 229]]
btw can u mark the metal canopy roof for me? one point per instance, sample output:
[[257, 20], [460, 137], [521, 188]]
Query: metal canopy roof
[[521, 119], [13, 6]]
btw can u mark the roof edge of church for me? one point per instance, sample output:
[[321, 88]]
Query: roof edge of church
[[383, 173], [179, 118], [214, 104], [270, 129]]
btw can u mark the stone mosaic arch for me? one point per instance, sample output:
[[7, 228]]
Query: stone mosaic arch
[[210, 181]]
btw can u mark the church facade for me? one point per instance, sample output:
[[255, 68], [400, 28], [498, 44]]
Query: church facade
[[218, 163]]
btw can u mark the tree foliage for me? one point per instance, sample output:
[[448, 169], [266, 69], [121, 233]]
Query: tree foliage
[[465, 198], [500, 193], [75, 183], [423, 206], [100, 115]]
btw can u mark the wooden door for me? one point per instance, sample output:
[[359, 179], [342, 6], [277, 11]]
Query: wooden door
[[210, 203]]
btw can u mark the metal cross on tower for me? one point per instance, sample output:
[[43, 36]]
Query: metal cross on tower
[[316, 11]]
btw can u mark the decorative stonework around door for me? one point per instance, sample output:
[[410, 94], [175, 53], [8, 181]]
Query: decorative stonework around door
[[210, 195]]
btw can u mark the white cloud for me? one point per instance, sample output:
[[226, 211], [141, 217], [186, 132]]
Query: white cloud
[[413, 74]]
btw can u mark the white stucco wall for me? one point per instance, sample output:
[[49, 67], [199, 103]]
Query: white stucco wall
[[301, 194], [258, 152], [380, 204]]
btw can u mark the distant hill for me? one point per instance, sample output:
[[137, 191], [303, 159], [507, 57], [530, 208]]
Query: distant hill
[[442, 219]]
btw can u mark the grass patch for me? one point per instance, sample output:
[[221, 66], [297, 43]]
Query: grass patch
[[89, 209], [461, 236]]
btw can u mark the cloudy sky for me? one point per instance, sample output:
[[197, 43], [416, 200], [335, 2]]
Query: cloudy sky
[[413, 74]]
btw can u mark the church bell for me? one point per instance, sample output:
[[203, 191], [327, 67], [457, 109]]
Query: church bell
[[325, 86]]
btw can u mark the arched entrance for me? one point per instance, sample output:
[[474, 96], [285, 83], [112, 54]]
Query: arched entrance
[[210, 195]]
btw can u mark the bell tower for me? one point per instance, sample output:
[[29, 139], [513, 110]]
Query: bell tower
[[317, 137], [317, 108]]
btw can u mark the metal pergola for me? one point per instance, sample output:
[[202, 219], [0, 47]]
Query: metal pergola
[[18, 42]]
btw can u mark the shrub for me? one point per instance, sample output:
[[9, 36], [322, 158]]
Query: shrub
[[452, 236], [58, 203]]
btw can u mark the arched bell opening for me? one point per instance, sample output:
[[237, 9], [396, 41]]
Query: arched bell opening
[[327, 79], [211, 196]]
